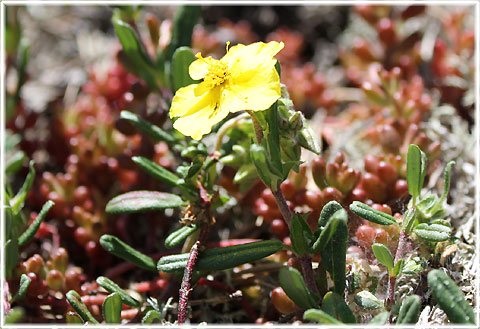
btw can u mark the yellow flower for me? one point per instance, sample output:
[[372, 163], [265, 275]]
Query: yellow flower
[[244, 79]]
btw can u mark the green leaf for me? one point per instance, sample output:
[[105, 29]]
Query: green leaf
[[409, 220], [416, 166], [450, 298], [136, 53], [181, 60], [380, 319], [410, 310], [11, 256], [112, 308], [178, 236], [298, 235], [33, 228], [383, 254], [147, 128], [157, 171], [73, 318], [23, 57], [151, 316], [366, 300], [412, 266], [76, 301], [335, 305], [22, 290], [320, 317], [327, 233], [273, 137], [185, 19], [222, 258], [308, 140], [259, 158], [18, 200], [433, 232], [112, 287], [14, 162], [327, 211], [334, 254], [446, 188], [371, 214], [15, 315], [397, 269], [120, 249], [138, 201], [294, 286]]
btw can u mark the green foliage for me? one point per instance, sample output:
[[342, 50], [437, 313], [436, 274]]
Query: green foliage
[[147, 128], [33, 228], [450, 298], [433, 232], [177, 237], [335, 305], [222, 258], [112, 287], [22, 290], [15, 315], [416, 167], [76, 301], [185, 19], [138, 201], [371, 214], [300, 235], [320, 317], [327, 232], [151, 316], [334, 254], [366, 300], [182, 58], [157, 171], [294, 286], [120, 249], [410, 310], [380, 319], [14, 157], [18, 200], [112, 308], [384, 256]]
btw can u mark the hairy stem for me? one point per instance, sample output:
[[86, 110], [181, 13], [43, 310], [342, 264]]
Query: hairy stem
[[257, 127], [400, 254], [308, 274], [185, 288], [283, 206]]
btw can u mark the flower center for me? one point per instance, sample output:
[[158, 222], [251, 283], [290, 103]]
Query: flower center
[[217, 74]]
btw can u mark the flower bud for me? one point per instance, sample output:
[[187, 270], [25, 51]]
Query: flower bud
[[296, 121]]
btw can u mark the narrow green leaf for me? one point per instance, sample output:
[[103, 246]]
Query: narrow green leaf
[[151, 316], [450, 298], [139, 201], [112, 308], [334, 254], [222, 258], [320, 317], [147, 128], [433, 232], [416, 166], [397, 269], [33, 228], [308, 139], [11, 256], [446, 179], [73, 318], [409, 220], [18, 200], [22, 290], [326, 234], [23, 57], [273, 137], [14, 162], [261, 162], [185, 19], [297, 235], [181, 60], [112, 287], [327, 211], [380, 319], [335, 305], [156, 171], [410, 310], [76, 301], [366, 300], [178, 236], [383, 254], [371, 214], [136, 53], [120, 249], [294, 286]]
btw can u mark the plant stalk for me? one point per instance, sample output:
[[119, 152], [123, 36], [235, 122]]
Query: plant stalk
[[400, 254], [185, 288]]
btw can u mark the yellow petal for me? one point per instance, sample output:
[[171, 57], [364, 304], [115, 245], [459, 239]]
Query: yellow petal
[[197, 124], [243, 58], [185, 102], [254, 90], [199, 68]]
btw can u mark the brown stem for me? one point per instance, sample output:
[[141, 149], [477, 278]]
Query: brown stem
[[400, 254], [308, 274], [283, 206], [185, 288]]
